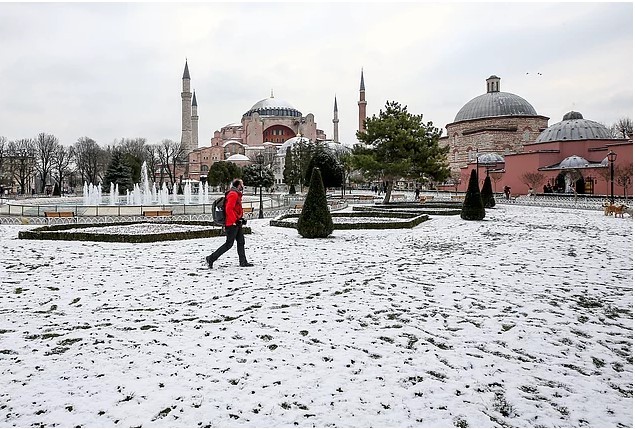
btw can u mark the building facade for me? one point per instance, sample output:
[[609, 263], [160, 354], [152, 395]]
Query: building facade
[[500, 134], [494, 122], [569, 157]]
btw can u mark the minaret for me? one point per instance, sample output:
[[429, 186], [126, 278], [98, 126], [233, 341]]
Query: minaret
[[362, 105], [194, 122], [186, 111], [336, 134]]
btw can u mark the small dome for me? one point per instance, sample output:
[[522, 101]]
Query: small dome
[[282, 150], [574, 161], [238, 157], [574, 127], [490, 158], [273, 107]]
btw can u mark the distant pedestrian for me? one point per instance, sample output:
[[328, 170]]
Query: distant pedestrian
[[417, 192], [234, 222]]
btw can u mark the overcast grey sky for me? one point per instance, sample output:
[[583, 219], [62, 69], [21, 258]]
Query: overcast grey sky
[[113, 70]]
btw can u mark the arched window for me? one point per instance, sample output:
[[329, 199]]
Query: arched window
[[471, 154]]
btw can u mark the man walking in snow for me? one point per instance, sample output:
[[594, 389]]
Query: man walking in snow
[[234, 222]]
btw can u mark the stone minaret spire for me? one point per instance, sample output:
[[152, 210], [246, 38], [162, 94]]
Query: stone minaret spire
[[362, 105], [336, 134], [194, 122], [186, 111]]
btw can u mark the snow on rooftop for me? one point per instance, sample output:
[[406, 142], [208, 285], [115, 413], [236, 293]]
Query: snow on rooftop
[[523, 319]]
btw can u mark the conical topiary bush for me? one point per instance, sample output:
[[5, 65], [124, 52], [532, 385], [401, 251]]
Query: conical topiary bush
[[487, 195], [315, 220], [473, 204]]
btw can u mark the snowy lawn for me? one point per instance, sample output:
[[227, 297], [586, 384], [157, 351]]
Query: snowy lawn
[[523, 319]]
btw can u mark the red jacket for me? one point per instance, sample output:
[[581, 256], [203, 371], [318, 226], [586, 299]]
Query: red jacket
[[233, 207]]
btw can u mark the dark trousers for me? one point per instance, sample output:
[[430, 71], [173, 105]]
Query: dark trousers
[[233, 233]]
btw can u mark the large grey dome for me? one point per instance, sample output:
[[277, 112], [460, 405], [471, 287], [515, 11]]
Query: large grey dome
[[273, 107], [574, 127], [495, 103]]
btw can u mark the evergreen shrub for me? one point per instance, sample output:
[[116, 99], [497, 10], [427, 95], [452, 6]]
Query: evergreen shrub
[[487, 195], [473, 204], [315, 220]]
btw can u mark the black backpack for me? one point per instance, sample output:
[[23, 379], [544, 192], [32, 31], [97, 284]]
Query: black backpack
[[218, 210]]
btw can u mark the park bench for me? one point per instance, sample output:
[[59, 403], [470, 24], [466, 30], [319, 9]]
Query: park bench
[[299, 206], [457, 197], [248, 209], [59, 214], [397, 196], [49, 215], [366, 197], [156, 213]]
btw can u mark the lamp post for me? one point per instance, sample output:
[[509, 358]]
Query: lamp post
[[479, 185], [260, 159], [612, 156]]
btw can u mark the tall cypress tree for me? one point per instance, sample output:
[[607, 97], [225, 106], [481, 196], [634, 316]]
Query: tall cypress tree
[[487, 195], [315, 220], [473, 204], [289, 175]]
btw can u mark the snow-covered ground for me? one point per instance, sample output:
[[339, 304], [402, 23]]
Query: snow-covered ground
[[524, 319]]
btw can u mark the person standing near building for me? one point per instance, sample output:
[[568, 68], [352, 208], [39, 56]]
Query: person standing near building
[[234, 222]]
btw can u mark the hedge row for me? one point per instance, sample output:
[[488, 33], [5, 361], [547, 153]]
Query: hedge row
[[410, 223], [449, 210], [57, 232]]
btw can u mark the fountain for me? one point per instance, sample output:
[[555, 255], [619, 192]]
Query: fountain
[[144, 193]]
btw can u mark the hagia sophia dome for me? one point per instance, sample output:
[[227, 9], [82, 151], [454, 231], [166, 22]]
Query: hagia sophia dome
[[495, 103], [273, 107], [574, 127]]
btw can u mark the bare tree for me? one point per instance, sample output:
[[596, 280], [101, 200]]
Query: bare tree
[[495, 176], [455, 180], [605, 173], [45, 145], [533, 180], [151, 157], [171, 154], [622, 129], [22, 160], [90, 159], [135, 147], [62, 159], [623, 176]]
